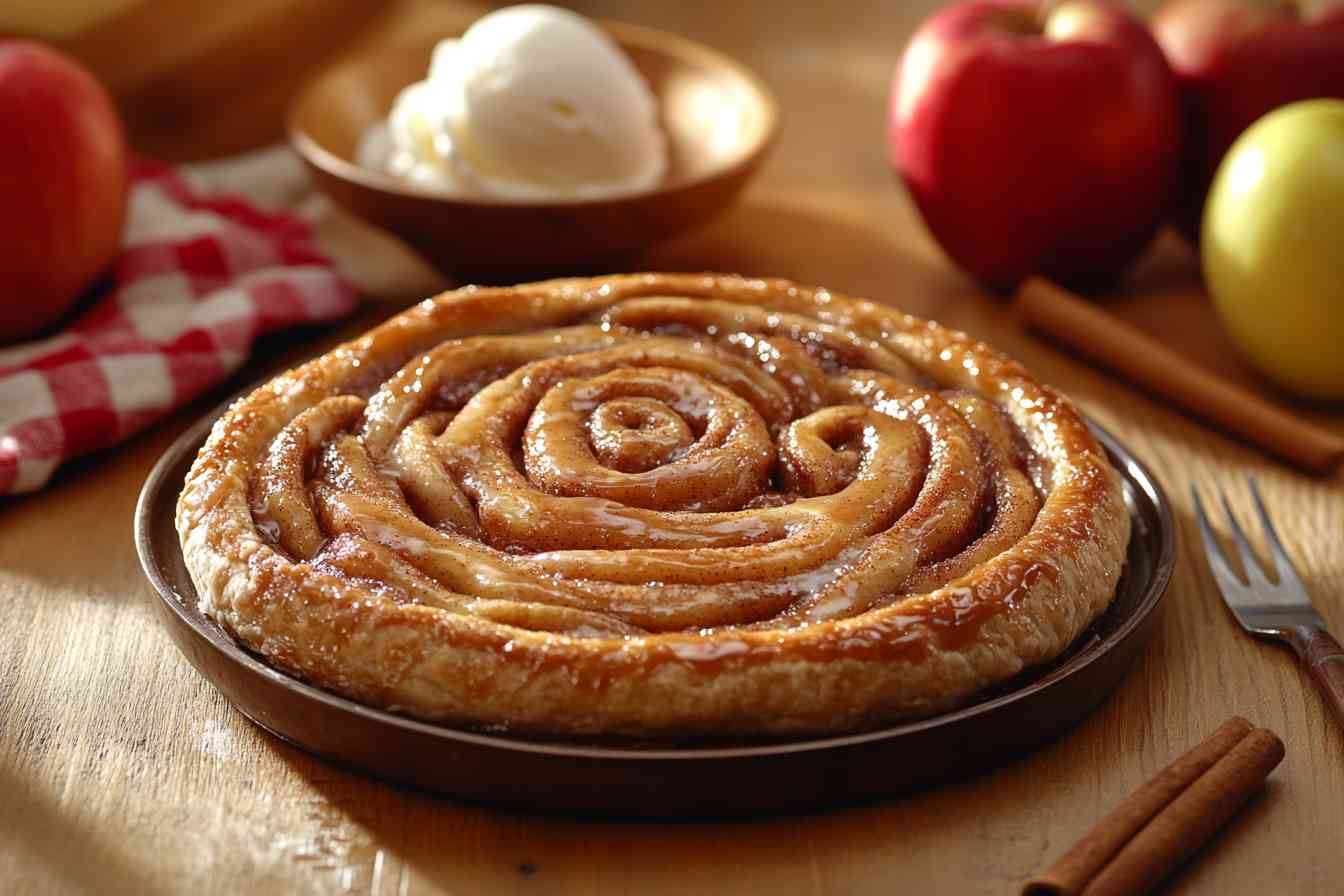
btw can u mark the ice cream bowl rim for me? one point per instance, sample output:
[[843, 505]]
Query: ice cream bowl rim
[[682, 52]]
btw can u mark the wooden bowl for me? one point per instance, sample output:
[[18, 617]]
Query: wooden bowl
[[718, 117]]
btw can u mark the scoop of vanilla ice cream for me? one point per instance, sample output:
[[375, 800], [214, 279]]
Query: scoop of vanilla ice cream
[[532, 102]]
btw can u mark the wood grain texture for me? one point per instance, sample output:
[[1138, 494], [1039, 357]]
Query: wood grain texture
[[121, 771]]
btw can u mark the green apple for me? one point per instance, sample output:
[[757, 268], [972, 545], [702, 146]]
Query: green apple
[[1272, 246]]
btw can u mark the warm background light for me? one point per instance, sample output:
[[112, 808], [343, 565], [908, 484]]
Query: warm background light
[[54, 20]]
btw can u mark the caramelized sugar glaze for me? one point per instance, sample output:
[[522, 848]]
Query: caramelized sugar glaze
[[655, 505]]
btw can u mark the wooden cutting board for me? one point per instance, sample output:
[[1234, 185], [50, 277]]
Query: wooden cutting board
[[200, 79]]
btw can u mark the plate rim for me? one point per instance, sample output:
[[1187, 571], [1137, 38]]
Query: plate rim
[[191, 440]]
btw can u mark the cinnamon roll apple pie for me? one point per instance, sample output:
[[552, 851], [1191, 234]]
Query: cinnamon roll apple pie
[[655, 505]]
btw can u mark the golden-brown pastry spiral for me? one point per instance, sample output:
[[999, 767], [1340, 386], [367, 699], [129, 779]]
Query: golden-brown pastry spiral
[[658, 504]]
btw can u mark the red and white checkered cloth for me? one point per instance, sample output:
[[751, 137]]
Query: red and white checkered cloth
[[200, 276]]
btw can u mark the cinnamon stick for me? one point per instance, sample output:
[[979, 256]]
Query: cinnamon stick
[[1146, 837], [1191, 819], [1111, 343]]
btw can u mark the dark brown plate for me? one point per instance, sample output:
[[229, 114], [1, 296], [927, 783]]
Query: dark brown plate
[[682, 779]]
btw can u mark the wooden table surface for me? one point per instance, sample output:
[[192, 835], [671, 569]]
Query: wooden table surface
[[121, 770]]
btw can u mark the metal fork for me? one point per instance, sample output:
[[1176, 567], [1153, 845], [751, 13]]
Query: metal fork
[[1281, 610]]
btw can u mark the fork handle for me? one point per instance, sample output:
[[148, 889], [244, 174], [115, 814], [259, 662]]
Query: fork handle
[[1324, 659]]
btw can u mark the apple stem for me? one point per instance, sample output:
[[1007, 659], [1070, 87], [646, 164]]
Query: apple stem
[[1310, 9], [1018, 22]]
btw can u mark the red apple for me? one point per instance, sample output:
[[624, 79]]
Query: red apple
[[63, 183], [1238, 59], [1037, 139]]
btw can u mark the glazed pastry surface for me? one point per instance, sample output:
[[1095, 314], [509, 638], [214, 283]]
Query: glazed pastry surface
[[655, 505]]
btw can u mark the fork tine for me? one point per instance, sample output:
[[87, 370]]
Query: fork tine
[[1222, 572], [1245, 553], [1283, 566]]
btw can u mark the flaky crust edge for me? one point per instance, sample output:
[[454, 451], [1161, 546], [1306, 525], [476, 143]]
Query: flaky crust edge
[[462, 670]]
